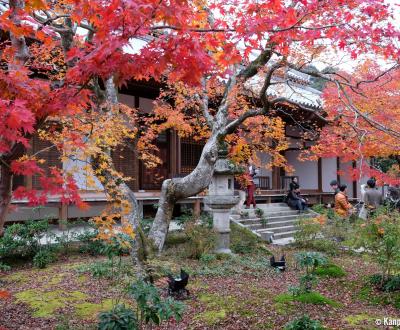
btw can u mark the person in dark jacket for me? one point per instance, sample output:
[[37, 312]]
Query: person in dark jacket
[[373, 197], [335, 186], [294, 200], [293, 185]]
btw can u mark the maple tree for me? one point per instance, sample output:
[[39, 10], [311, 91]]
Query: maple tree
[[363, 117], [210, 48]]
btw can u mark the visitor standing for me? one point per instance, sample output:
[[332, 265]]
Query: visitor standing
[[373, 197], [251, 187]]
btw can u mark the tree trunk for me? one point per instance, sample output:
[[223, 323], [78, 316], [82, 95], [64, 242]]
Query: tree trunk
[[133, 217], [179, 188], [5, 194]]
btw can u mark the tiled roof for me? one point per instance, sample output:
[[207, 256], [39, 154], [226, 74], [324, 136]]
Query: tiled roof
[[296, 93]]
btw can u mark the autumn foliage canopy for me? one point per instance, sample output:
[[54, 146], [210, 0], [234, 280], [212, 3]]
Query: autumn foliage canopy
[[72, 45]]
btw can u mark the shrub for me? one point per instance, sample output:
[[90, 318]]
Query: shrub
[[308, 231], [98, 269], [304, 323], [390, 284], [23, 239], [381, 237], [151, 307], [201, 240], [244, 241], [309, 261], [4, 267], [119, 318], [89, 242], [323, 234], [207, 258], [43, 258]]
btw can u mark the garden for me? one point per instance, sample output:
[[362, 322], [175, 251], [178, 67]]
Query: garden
[[338, 275]]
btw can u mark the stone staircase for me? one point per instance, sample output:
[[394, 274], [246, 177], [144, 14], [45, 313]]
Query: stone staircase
[[279, 225]]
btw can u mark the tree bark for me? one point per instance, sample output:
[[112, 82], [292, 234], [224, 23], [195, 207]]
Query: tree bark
[[133, 217], [175, 189], [5, 194]]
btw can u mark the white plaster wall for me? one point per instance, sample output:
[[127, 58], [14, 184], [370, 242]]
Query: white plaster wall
[[146, 105], [264, 160], [129, 100], [80, 175], [307, 171], [345, 178], [329, 173]]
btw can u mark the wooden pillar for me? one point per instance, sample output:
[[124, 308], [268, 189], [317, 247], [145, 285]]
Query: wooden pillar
[[354, 182], [319, 174], [173, 153], [197, 208], [275, 178], [62, 216], [337, 169]]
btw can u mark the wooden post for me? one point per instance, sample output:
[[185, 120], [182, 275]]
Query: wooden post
[[319, 174], [197, 208], [62, 216]]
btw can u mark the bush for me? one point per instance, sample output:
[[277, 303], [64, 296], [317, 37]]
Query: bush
[[323, 234], [390, 284], [304, 323], [207, 258], [23, 239], [152, 308], [309, 261], [201, 240], [43, 258], [381, 237], [243, 241], [89, 242], [4, 267], [119, 318]]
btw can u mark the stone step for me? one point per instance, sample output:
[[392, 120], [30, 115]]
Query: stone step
[[284, 235], [256, 221], [277, 230], [270, 214], [273, 225]]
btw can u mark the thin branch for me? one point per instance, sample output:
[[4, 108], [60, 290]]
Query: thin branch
[[203, 100]]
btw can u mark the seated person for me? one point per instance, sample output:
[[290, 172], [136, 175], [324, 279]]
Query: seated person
[[296, 201], [294, 184], [342, 206]]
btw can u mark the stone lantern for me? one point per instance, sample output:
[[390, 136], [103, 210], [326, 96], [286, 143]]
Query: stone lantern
[[221, 199]]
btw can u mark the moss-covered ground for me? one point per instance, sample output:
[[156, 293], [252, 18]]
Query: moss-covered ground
[[239, 292]]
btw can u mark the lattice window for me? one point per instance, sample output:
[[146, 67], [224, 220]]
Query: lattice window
[[190, 154], [50, 155]]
